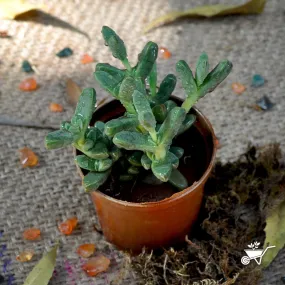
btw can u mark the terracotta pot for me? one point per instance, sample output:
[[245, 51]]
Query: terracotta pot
[[131, 225]]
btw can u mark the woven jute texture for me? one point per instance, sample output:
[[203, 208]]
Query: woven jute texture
[[51, 192]]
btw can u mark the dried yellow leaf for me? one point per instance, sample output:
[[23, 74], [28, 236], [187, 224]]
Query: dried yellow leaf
[[10, 9], [73, 92], [251, 7]]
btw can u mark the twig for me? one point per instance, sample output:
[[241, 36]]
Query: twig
[[164, 269], [24, 124]]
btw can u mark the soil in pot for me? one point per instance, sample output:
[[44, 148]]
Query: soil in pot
[[192, 165]]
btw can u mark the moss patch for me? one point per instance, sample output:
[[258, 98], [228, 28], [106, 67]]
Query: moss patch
[[238, 197]]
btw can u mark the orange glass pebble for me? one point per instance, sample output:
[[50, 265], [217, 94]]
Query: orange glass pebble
[[68, 226], [164, 53], [86, 250], [28, 158], [238, 88], [25, 256], [29, 84], [96, 265], [32, 234], [86, 58], [54, 107]]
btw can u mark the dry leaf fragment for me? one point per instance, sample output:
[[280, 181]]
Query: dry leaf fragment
[[251, 7], [10, 9], [275, 234], [73, 92]]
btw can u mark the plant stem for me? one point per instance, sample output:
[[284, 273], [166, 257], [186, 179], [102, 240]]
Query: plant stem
[[190, 101], [153, 135], [127, 64]]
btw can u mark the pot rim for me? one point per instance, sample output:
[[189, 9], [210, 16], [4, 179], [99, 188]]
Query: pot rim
[[176, 196]]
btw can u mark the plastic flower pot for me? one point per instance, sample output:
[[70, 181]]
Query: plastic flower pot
[[152, 224]]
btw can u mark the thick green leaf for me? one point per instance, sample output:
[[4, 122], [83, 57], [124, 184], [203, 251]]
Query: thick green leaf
[[187, 123], [140, 85], [88, 144], [186, 77], [177, 179], [115, 153], [91, 164], [65, 126], [161, 169], [115, 43], [43, 271], [99, 151], [134, 141], [215, 77], [171, 125], [93, 134], [145, 162], [133, 170], [135, 158], [173, 159], [126, 91], [178, 151], [170, 105], [121, 124], [147, 59], [202, 68], [116, 73], [58, 139], [166, 88], [152, 80], [145, 115], [93, 180], [159, 112], [83, 112], [275, 234], [100, 126], [108, 82]]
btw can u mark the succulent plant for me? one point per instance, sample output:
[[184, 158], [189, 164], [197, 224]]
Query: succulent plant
[[140, 141]]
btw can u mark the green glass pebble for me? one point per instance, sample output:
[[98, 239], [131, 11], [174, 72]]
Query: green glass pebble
[[26, 66], [264, 103], [257, 80], [66, 52]]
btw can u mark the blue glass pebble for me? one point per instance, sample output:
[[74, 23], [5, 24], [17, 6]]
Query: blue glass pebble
[[66, 52], [26, 66], [257, 80], [264, 103]]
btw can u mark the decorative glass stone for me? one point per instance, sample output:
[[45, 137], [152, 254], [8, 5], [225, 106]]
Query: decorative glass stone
[[264, 103], [86, 58], [238, 88], [164, 53], [257, 80], [25, 256], [29, 84], [54, 107], [28, 158], [68, 226], [27, 67], [96, 265], [66, 52], [86, 250]]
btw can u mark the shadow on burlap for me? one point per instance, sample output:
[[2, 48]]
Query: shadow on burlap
[[51, 192]]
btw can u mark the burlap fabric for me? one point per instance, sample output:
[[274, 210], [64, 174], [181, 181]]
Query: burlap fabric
[[51, 192]]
